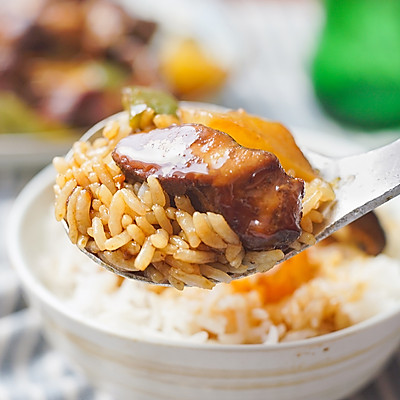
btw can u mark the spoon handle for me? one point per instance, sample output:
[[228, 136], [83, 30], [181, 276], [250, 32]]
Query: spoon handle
[[365, 182]]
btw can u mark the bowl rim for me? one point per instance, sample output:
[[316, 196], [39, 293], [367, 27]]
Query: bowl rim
[[32, 283]]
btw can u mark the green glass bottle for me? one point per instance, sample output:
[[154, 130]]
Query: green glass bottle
[[356, 69]]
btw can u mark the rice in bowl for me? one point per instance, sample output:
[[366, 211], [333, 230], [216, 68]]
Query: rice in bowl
[[331, 287]]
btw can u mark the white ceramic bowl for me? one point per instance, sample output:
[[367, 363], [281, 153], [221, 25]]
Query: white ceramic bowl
[[327, 367]]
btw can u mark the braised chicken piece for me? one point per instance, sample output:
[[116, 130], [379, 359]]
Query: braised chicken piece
[[260, 202]]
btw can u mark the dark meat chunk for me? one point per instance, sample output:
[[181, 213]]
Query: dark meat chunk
[[260, 202], [366, 233]]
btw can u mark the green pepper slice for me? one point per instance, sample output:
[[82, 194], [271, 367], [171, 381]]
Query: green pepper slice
[[161, 102]]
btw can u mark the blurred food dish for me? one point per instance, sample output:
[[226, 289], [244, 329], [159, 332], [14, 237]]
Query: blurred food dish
[[63, 62], [189, 70]]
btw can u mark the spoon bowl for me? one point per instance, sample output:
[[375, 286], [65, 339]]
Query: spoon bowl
[[362, 183]]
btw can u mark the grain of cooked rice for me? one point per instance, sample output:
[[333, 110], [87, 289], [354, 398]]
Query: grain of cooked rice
[[133, 202], [104, 214], [98, 233], [71, 215], [296, 245], [104, 195], [191, 279], [156, 191], [147, 228], [162, 218], [131, 248], [96, 204], [143, 259], [179, 242], [103, 175], [153, 274], [126, 220], [163, 121], [262, 259], [315, 216], [307, 238], [185, 221], [183, 203], [136, 234], [160, 238], [61, 165], [83, 204], [205, 231], [82, 241], [80, 177], [116, 212], [117, 241], [188, 267], [139, 226], [144, 194], [232, 251], [62, 198], [214, 273], [316, 191], [237, 261], [146, 119], [306, 224], [111, 130], [151, 218], [222, 228], [195, 256], [116, 258]]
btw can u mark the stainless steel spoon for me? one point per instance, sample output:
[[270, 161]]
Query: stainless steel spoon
[[364, 182]]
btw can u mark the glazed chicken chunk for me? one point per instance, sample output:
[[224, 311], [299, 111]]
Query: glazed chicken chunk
[[257, 198]]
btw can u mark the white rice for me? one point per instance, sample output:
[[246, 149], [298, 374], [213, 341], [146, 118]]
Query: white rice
[[349, 287]]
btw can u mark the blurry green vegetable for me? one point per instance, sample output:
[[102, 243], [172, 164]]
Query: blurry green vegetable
[[18, 117], [103, 74], [161, 102]]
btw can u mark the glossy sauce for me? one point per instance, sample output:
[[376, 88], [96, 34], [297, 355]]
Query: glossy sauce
[[166, 152]]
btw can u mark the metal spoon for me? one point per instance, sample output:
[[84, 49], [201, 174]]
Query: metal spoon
[[365, 181]]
